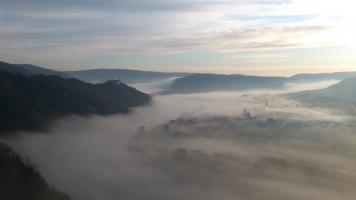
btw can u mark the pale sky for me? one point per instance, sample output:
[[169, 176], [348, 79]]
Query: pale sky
[[224, 36]]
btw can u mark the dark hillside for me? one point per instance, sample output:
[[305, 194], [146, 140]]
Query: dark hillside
[[30, 102], [19, 180]]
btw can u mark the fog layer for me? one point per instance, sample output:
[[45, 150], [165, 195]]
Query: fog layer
[[216, 146]]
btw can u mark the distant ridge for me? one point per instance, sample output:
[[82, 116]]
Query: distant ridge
[[218, 82], [126, 75], [238, 82], [137, 76], [181, 82]]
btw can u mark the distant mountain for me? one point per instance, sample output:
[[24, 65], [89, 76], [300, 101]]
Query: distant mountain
[[27, 69], [321, 77], [126, 75], [20, 180], [30, 102], [338, 95], [217, 82]]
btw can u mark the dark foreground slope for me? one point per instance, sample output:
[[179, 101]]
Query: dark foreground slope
[[126, 75], [342, 94], [20, 181], [218, 82], [30, 102], [30, 70]]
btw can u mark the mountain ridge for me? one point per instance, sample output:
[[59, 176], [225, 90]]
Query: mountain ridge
[[218, 82], [30, 70], [127, 75]]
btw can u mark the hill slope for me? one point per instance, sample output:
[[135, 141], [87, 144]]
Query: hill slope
[[341, 94], [29, 102], [27, 69], [218, 82], [19, 180], [128, 76]]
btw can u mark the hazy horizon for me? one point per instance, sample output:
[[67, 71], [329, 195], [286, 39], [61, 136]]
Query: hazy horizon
[[228, 70]]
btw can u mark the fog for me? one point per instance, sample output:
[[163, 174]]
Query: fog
[[297, 87], [154, 86], [214, 146], [163, 84]]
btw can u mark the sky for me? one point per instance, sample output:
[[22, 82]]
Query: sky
[[222, 36]]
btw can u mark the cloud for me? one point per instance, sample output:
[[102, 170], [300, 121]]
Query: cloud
[[90, 29], [201, 146], [133, 5]]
